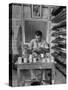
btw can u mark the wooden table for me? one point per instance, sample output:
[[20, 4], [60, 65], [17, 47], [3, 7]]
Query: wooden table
[[37, 65]]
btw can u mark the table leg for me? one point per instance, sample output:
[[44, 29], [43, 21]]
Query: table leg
[[32, 74], [53, 74], [43, 76], [50, 76], [18, 76]]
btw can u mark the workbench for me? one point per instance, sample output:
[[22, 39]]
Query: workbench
[[36, 66]]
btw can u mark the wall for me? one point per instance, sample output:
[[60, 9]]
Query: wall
[[32, 26], [22, 13]]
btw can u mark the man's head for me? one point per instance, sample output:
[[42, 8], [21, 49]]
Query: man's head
[[38, 35]]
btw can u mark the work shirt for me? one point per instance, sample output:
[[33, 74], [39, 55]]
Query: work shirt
[[35, 44]]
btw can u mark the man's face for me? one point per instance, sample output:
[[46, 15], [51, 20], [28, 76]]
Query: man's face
[[38, 38]]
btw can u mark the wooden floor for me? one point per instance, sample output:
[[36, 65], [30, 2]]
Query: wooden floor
[[60, 79]]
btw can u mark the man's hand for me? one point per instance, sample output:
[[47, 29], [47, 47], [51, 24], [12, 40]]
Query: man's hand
[[37, 50], [45, 50], [41, 50]]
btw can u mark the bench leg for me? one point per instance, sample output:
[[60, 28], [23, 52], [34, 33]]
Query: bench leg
[[18, 76]]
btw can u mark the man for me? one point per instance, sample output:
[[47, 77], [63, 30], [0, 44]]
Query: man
[[37, 45]]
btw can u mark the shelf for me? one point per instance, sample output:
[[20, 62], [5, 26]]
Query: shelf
[[62, 63], [60, 25], [59, 29], [61, 69], [60, 17], [60, 59], [55, 34], [59, 49], [59, 54], [58, 39], [59, 43], [57, 10], [59, 46], [63, 45]]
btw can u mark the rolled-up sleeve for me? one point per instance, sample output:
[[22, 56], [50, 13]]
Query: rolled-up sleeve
[[45, 45], [31, 44]]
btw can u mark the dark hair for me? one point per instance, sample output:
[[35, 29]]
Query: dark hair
[[38, 33]]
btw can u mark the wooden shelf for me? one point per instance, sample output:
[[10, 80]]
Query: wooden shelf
[[58, 39], [61, 63], [60, 25], [59, 50], [58, 42], [57, 10], [59, 46], [61, 69], [63, 43], [60, 59], [59, 54], [55, 34], [60, 17]]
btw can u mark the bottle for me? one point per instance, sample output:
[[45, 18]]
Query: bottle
[[34, 60], [19, 60], [42, 55], [43, 60], [30, 58], [25, 60]]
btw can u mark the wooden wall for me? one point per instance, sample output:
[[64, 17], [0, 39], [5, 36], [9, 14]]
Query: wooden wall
[[22, 13]]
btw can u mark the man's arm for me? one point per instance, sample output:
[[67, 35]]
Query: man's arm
[[31, 45], [45, 47]]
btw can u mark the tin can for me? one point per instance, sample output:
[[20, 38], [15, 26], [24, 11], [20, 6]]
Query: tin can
[[42, 55], [19, 60], [25, 60], [43, 60], [30, 58], [34, 60]]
